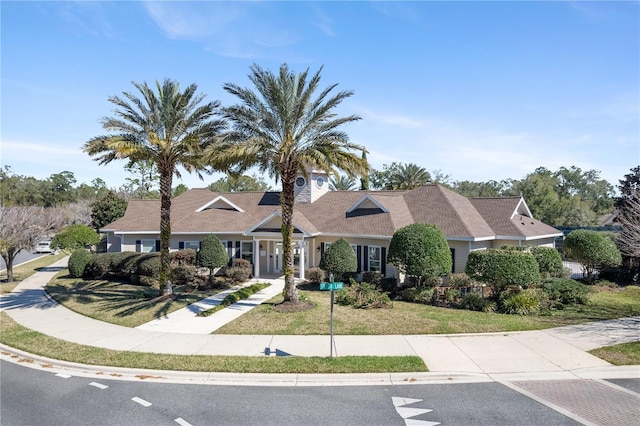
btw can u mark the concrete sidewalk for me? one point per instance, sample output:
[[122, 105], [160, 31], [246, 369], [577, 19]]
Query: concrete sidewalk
[[559, 352]]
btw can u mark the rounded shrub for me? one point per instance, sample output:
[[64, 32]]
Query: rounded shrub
[[78, 261], [212, 254], [339, 258], [420, 250], [549, 261], [183, 275], [591, 249], [422, 295], [314, 275]]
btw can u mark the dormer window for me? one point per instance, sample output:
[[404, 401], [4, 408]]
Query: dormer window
[[301, 181], [320, 181]]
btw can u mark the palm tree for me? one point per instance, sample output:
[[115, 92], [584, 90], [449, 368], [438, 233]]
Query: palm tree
[[282, 128], [341, 183], [166, 127], [409, 176]]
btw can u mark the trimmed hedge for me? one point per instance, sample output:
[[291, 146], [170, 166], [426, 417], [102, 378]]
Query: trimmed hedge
[[78, 262], [339, 258], [566, 291], [549, 261], [503, 268], [420, 250]]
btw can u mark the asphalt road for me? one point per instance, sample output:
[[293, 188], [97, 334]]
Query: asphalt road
[[36, 397], [23, 256]]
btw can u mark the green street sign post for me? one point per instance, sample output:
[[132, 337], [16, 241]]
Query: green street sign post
[[331, 285]]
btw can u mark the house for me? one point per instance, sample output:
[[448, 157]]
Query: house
[[249, 223]]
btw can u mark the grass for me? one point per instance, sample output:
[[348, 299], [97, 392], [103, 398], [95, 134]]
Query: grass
[[116, 302], [25, 270], [234, 297], [623, 354], [19, 337], [410, 318]]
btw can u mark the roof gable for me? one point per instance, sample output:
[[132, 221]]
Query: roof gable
[[220, 203], [368, 203]]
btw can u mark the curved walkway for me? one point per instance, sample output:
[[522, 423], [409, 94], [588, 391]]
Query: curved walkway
[[559, 352]]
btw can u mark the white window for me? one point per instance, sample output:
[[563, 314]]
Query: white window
[[375, 256], [148, 246], [195, 245]]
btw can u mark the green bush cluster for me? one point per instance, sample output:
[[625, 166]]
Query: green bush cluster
[[592, 249], [363, 295], [566, 291], [240, 271], [141, 268], [183, 275], [78, 262], [501, 269], [421, 294], [475, 302]]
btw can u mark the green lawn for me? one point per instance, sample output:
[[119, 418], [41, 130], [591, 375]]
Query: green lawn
[[410, 318], [25, 270], [16, 336], [116, 302], [623, 354]]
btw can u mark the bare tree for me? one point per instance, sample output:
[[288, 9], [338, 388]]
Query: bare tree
[[629, 218], [22, 227]]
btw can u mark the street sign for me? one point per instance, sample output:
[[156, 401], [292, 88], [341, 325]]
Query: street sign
[[332, 286]]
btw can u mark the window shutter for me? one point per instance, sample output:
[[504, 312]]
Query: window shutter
[[138, 246], [453, 260], [366, 258], [181, 245], [237, 249], [157, 245], [359, 256], [383, 261], [321, 249]]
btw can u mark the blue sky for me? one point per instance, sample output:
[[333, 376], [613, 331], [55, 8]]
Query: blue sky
[[478, 90]]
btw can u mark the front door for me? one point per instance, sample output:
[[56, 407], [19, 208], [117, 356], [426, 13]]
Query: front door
[[278, 259]]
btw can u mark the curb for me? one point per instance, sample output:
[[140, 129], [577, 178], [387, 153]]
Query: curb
[[26, 359]]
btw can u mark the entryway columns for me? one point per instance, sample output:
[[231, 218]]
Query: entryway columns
[[256, 258], [301, 244]]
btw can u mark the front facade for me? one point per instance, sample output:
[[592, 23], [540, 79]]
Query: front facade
[[249, 223]]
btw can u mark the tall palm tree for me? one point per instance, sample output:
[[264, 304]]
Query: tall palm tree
[[409, 176], [167, 127], [341, 183], [283, 127]]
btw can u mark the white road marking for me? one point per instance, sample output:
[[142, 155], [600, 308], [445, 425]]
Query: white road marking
[[182, 422], [141, 401], [98, 385], [407, 412], [64, 376]]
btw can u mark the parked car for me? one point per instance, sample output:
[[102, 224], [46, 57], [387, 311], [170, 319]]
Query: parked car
[[44, 247]]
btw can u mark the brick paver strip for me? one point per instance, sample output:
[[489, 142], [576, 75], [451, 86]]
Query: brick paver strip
[[589, 399]]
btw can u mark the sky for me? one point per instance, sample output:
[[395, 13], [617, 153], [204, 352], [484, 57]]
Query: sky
[[477, 90]]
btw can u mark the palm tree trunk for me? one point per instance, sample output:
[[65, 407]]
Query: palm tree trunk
[[166, 177], [286, 203]]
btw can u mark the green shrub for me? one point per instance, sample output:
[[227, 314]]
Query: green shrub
[[620, 275], [389, 284], [526, 302], [549, 261], [98, 266], [148, 264], [420, 250], [474, 302], [183, 275], [314, 275], [422, 295], [78, 261], [75, 237], [339, 258], [592, 249], [501, 269], [450, 295], [565, 291], [212, 254], [363, 295]]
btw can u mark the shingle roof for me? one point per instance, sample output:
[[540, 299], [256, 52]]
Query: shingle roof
[[457, 216], [506, 218]]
